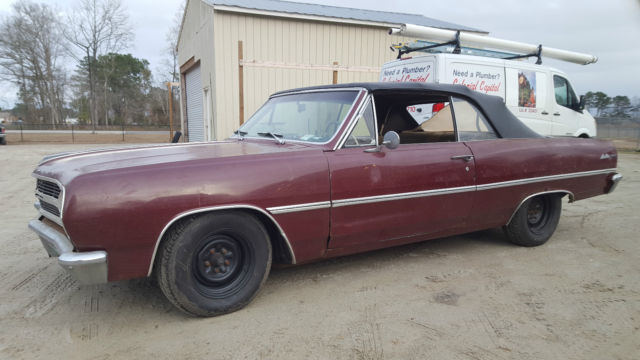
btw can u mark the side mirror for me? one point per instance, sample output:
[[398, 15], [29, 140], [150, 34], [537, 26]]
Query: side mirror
[[391, 140], [581, 104]]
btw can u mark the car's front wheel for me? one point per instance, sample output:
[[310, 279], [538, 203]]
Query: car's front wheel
[[535, 221], [214, 264]]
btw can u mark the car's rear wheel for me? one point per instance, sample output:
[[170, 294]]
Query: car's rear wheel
[[535, 221], [215, 263], [3, 141]]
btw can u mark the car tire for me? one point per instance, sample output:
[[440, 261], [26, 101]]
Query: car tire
[[3, 141], [214, 264], [535, 221]]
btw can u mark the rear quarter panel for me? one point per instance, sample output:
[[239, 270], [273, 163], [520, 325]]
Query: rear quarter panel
[[501, 162]]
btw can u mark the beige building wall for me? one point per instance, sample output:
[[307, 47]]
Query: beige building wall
[[196, 33], [279, 53], [286, 53]]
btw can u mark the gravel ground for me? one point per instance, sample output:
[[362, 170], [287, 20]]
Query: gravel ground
[[465, 297]]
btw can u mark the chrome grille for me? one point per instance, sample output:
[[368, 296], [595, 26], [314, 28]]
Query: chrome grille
[[48, 188], [50, 208]]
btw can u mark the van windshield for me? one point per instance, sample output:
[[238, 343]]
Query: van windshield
[[311, 117]]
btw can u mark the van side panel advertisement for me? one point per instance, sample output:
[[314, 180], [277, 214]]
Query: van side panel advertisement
[[485, 79], [409, 72]]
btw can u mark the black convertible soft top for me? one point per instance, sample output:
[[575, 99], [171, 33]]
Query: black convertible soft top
[[503, 120]]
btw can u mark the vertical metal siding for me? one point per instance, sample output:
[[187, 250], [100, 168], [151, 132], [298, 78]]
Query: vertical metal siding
[[193, 86], [290, 41]]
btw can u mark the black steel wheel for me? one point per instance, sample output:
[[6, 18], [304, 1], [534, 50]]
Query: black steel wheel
[[535, 221], [215, 263]]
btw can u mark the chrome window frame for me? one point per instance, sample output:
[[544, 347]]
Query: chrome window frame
[[359, 92], [361, 110]]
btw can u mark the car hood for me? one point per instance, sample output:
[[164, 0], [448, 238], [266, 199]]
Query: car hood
[[66, 166]]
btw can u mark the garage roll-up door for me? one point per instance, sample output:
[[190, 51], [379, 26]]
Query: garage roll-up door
[[195, 123]]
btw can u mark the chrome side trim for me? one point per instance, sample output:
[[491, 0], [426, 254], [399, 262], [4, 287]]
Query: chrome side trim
[[216, 208], [299, 207], [401, 196], [615, 179], [501, 184], [566, 192], [435, 192]]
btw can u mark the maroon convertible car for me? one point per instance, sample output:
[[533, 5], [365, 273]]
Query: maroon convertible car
[[315, 173]]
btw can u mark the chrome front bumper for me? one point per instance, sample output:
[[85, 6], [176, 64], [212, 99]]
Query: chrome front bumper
[[86, 267], [615, 179]]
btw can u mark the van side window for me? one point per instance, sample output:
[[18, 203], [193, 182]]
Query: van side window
[[564, 93], [470, 123]]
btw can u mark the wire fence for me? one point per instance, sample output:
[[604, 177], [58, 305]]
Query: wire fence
[[624, 132], [623, 129], [25, 133], [609, 131]]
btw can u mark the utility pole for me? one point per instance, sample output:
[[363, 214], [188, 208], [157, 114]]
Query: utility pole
[[170, 86]]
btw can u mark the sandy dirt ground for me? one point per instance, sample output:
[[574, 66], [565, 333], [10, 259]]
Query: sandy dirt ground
[[474, 296]]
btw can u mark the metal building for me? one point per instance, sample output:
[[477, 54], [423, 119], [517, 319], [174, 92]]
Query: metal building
[[234, 53]]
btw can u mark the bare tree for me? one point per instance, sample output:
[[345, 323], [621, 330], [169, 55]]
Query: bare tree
[[97, 27], [31, 48], [170, 70]]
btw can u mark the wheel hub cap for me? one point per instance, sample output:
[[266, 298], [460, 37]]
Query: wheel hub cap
[[217, 261]]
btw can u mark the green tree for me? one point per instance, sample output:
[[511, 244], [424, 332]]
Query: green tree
[[94, 28], [620, 106], [597, 100], [127, 82], [123, 91]]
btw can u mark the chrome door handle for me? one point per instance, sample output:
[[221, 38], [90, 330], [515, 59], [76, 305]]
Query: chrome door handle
[[466, 158]]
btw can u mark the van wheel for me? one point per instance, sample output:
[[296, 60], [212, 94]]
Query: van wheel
[[583, 136], [535, 221], [215, 263]]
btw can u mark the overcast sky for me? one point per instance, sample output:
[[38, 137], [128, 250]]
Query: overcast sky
[[608, 29]]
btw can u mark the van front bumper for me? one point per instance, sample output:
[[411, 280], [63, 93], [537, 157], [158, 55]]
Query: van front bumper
[[86, 267]]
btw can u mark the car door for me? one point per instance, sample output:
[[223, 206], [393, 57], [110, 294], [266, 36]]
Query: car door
[[401, 194]]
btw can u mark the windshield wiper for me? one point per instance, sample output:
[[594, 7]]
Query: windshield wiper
[[240, 133], [277, 137]]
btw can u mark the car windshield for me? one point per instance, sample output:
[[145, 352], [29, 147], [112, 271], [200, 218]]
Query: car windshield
[[312, 117]]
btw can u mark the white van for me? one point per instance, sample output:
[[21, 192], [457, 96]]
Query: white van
[[540, 96]]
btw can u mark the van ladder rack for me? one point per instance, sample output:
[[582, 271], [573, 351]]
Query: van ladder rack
[[404, 49], [451, 47], [481, 42], [537, 54]]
